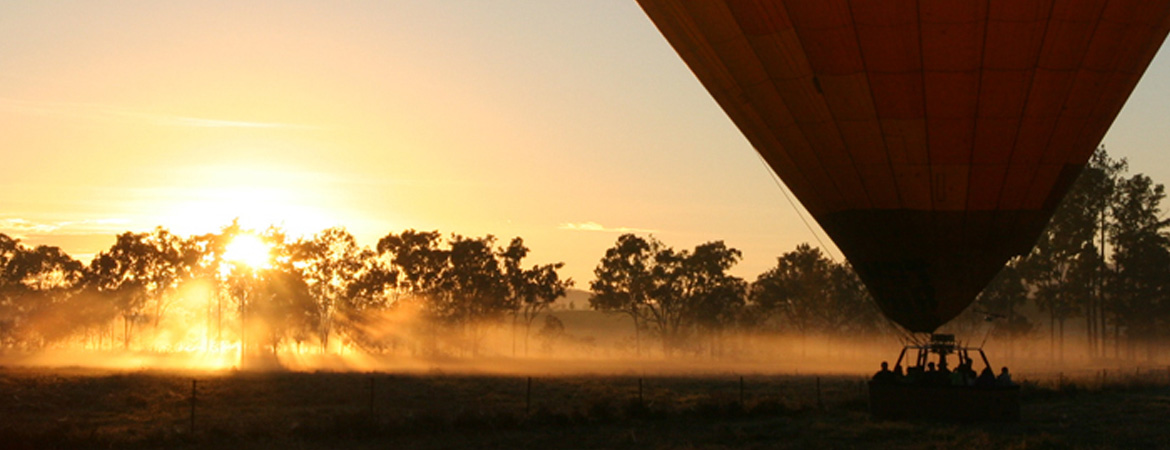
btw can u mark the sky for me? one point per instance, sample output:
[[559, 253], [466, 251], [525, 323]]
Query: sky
[[564, 122]]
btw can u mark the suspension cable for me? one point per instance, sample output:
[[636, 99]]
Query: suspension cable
[[776, 179]]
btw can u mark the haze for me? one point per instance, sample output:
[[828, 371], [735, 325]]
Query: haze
[[564, 122]]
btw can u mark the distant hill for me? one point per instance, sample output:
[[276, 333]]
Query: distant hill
[[574, 299]]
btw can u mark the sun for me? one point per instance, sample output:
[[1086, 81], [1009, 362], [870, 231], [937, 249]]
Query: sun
[[249, 250]]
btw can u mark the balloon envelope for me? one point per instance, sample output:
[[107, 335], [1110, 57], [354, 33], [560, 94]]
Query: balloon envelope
[[932, 140]]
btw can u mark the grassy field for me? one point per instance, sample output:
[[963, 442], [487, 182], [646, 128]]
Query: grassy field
[[83, 408]]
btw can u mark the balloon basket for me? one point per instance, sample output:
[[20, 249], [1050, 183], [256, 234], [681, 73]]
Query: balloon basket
[[935, 394]]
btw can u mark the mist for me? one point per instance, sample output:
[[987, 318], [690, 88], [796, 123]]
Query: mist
[[560, 342]]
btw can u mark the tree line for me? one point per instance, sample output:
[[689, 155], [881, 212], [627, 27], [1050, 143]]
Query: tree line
[[307, 291], [415, 291], [688, 300], [1104, 259]]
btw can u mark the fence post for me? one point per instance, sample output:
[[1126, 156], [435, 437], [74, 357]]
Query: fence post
[[528, 398], [741, 405], [641, 402], [194, 390], [372, 395], [820, 404]]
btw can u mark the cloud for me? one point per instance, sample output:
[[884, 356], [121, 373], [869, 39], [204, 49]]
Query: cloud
[[85, 111], [597, 227], [22, 228]]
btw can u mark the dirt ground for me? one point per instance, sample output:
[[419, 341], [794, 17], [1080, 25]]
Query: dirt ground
[[83, 408]]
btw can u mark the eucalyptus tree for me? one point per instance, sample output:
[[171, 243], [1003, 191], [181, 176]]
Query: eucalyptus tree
[[1098, 185], [714, 299], [140, 270], [810, 294], [36, 289], [1001, 301], [530, 292], [328, 262], [671, 293], [419, 264], [624, 280], [1063, 265], [1141, 257], [796, 290], [476, 291]]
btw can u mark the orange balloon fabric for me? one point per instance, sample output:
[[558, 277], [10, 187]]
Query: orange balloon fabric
[[931, 139]]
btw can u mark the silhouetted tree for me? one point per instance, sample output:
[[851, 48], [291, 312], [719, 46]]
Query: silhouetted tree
[[714, 299], [35, 287], [370, 294], [1000, 301], [624, 280], [529, 291], [476, 291], [796, 289], [419, 262], [851, 310], [328, 262], [809, 293], [139, 270], [205, 259], [282, 307], [670, 292], [1141, 256], [1062, 266], [1097, 186]]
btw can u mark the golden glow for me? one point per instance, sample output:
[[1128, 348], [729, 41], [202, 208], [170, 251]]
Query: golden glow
[[249, 250], [205, 198]]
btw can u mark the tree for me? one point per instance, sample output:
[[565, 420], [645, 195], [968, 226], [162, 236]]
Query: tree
[[370, 294], [1097, 183], [811, 294], [282, 307], [623, 280], [328, 262], [795, 289], [714, 298], [1062, 266], [35, 285], [1141, 258], [139, 270], [1001, 300], [848, 294], [475, 288], [205, 258], [669, 292], [529, 291], [419, 263]]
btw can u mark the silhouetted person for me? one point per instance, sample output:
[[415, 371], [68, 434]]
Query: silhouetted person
[[958, 377], [942, 377], [884, 376], [1004, 378], [915, 375], [899, 377], [986, 378], [966, 375]]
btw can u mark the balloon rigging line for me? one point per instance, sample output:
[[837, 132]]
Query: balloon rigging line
[[776, 179]]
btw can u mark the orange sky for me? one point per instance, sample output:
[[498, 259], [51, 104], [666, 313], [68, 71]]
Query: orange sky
[[563, 122]]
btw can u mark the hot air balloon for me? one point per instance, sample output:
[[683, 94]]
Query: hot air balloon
[[931, 139]]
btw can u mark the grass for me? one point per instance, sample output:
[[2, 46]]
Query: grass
[[76, 408]]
